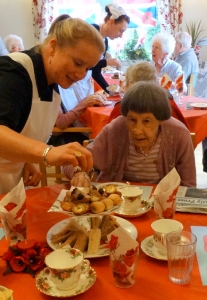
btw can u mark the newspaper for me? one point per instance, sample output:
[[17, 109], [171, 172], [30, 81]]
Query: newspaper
[[192, 200]]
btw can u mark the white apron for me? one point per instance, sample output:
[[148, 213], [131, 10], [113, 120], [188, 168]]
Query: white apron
[[39, 125]]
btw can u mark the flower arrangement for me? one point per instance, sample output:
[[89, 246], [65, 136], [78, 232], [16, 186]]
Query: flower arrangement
[[25, 256]]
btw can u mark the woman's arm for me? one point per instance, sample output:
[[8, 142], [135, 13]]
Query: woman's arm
[[18, 148]]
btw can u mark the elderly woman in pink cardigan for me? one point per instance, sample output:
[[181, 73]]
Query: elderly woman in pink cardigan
[[142, 145]]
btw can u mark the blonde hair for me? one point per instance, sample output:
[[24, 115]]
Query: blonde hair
[[70, 31], [142, 71]]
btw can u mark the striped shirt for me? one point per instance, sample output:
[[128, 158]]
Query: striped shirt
[[143, 168]]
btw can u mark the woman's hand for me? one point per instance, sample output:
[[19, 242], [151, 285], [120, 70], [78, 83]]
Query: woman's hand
[[95, 99], [72, 153], [31, 175], [114, 62], [80, 179]]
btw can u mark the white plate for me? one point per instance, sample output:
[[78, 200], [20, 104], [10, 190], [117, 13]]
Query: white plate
[[139, 212], [106, 102], [148, 247], [202, 105], [47, 287], [56, 206], [84, 220], [118, 184], [2, 288]]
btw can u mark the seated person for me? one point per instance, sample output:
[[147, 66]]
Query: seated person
[[144, 144], [14, 43], [67, 118], [3, 50], [144, 71], [163, 45], [185, 54]]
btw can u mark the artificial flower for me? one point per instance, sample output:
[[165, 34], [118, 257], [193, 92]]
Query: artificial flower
[[26, 256]]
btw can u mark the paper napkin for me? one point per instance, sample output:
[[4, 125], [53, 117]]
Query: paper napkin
[[166, 82], [121, 242], [13, 213], [165, 195]]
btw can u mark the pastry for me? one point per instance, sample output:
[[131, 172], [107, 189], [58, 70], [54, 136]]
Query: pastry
[[80, 209], [116, 198], [109, 204], [97, 207], [66, 205]]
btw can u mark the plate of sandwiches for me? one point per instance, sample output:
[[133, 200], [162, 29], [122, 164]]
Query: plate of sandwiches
[[86, 201], [87, 233]]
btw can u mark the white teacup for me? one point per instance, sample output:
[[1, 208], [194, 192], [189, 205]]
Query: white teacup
[[66, 267], [161, 228], [132, 198]]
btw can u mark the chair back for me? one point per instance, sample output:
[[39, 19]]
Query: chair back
[[192, 84]]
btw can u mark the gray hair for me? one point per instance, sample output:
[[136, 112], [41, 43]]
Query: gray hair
[[166, 41], [141, 71], [146, 97], [9, 39], [184, 38], [70, 31]]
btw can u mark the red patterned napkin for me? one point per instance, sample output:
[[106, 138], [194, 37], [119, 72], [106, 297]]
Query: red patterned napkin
[[166, 82], [13, 213]]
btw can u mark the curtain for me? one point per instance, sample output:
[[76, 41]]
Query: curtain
[[170, 15], [43, 12]]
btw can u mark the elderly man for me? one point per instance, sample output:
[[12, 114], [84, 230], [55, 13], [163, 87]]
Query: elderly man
[[3, 50], [185, 55]]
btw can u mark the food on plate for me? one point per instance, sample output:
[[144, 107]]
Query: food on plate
[[97, 207], [94, 241], [108, 224], [109, 204], [5, 294], [116, 75], [80, 201], [77, 236]]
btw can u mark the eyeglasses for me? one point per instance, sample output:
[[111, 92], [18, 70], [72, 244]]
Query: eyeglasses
[[19, 47]]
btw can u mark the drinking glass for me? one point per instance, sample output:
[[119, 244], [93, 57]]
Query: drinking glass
[[181, 246]]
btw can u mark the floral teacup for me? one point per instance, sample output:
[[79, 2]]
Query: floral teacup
[[66, 267], [132, 198]]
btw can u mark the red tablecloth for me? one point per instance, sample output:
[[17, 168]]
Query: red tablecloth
[[97, 118], [152, 275]]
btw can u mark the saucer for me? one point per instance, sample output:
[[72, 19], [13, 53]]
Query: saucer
[[47, 287], [139, 212], [148, 247]]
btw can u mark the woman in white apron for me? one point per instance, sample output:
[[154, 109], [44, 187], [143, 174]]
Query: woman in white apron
[[30, 101]]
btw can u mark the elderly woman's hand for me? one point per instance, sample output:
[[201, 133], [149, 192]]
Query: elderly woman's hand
[[95, 99], [31, 175], [72, 153], [80, 179]]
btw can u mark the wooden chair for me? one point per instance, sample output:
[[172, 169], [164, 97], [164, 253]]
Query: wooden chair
[[192, 84], [57, 175]]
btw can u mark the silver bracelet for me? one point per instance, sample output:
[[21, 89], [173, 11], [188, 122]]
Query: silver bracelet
[[45, 154]]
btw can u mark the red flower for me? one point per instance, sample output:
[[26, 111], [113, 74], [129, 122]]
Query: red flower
[[17, 263], [29, 259], [113, 242]]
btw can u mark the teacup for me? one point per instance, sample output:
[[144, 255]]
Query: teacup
[[161, 228], [132, 198], [66, 267]]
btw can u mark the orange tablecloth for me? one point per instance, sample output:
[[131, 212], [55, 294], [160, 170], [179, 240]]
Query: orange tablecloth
[[97, 118], [152, 275]]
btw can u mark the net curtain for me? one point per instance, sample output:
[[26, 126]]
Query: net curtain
[[170, 15], [43, 13]]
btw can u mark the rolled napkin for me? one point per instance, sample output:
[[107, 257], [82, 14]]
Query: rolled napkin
[[166, 82], [13, 213], [165, 195]]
